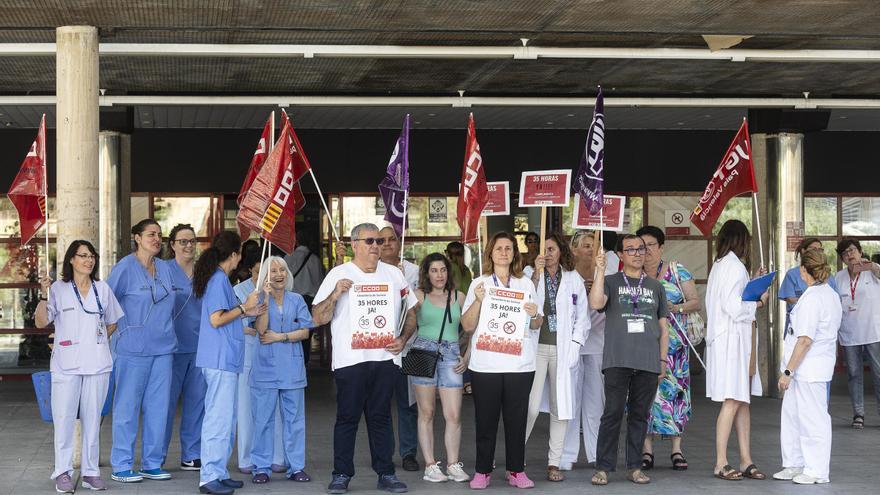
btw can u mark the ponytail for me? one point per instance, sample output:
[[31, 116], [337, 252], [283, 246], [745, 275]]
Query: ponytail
[[222, 247], [816, 264]]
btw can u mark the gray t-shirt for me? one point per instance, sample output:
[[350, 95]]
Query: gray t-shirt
[[632, 338]]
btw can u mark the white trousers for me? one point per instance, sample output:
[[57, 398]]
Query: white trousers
[[83, 394], [589, 404], [545, 373], [806, 428]]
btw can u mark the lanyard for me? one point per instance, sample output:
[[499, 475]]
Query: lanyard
[[634, 297], [496, 281], [659, 268], [97, 300], [853, 283], [551, 287]]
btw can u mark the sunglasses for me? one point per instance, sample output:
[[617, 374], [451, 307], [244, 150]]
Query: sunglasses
[[370, 240]]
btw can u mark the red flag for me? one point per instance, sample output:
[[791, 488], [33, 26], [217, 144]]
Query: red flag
[[28, 190], [734, 176], [474, 193], [257, 161], [274, 197]]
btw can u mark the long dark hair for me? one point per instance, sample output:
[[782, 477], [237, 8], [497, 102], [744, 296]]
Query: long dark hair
[[566, 257], [425, 268], [139, 228], [734, 237], [67, 266], [172, 236], [222, 247]]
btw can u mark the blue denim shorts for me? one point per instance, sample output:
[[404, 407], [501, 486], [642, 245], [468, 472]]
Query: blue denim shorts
[[445, 375]]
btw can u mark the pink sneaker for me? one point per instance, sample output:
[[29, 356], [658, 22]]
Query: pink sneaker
[[520, 480], [480, 481]]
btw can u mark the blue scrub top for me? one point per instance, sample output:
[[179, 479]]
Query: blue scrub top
[[220, 348], [148, 302], [242, 291], [281, 365], [187, 310], [794, 286]]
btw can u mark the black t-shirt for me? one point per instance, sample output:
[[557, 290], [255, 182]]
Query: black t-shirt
[[632, 337]]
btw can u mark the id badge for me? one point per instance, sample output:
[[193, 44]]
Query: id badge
[[102, 332], [853, 307], [635, 326]]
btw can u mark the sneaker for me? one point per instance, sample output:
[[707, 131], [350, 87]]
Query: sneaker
[[434, 474], [480, 481], [93, 483], [278, 468], [127, 477], [155, 474], [64, 484], [806, 479], [787, 474], [215, 487], [520, 480], [260, 479], [193, 465], [410, 463], [231, 483], [456, 472], [390, 483], [339, 485]]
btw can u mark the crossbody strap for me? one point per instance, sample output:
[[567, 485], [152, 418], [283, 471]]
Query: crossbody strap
[[446, 314], [303, 265]]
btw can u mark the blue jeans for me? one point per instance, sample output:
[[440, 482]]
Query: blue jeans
[[445, 375], [855, 372], [218, 427], [407, 417]]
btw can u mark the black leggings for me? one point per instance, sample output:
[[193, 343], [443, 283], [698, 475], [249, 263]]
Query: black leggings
[[494, 394]]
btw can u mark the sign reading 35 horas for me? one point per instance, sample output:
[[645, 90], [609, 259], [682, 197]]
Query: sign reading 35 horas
[[373, 321], [503, 321]]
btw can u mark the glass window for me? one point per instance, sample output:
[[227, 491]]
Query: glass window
[[361, 209], [9, 219], [861, 216], [736, 209], [24, 264], [170, 211], [820, 216], [830, 248]]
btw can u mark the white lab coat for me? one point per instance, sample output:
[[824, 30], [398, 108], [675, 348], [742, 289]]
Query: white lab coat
[[572, 331], [728, 331]]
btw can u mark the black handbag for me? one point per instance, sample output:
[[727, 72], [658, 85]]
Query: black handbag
[[421, 362]]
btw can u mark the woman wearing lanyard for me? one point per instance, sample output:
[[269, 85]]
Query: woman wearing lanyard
[[144, 347], [859, 287], [439, 315], [220, 355], [501, 379], [564, 330], [186, 380], [251, 253], [810, 351], [85, 312], [278, 374], [730, 359]]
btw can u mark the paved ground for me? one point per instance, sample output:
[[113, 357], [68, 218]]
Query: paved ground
[[26, 454]]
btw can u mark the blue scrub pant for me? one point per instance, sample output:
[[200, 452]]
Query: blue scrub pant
[[186, 380], [293, 415], [245, 420], [143, 383], [218, 435], [407, 418]]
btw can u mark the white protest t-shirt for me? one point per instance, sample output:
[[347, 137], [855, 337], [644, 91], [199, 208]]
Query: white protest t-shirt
[[817, 316], [411, 274], [496, 362], [340, 326], [860, 325]]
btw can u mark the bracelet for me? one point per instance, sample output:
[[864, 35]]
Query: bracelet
[[44, 298], [241, 308]]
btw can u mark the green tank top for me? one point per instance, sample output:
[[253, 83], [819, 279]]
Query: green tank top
[[430, 317]]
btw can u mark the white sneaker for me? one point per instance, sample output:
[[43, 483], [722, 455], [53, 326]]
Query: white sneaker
[[434, 474], [806, 479], [456, 473], [788, 474]]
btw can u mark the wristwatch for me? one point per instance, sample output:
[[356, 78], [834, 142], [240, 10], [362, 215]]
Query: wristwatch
[[787, 372]]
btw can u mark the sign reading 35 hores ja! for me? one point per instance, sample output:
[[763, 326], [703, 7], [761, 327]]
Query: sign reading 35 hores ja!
[[503, 321], [373, 321]]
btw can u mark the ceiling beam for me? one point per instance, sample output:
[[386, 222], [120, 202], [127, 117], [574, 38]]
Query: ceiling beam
[[448, 52]]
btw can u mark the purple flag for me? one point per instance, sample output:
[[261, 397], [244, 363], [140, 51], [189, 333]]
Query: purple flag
[[590, 179], [395, 186]]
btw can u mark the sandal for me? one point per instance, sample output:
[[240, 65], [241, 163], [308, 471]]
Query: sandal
[[647, 461], [467, 389], [554, 474], [600, 478], [679, 463], [727, 473], [752, 472], [638, 477], [858, 422]]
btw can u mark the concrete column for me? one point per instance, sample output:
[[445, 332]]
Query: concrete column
[[77, 135], [114, 175]]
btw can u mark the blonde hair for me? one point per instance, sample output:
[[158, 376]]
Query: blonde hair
[[816, 264]]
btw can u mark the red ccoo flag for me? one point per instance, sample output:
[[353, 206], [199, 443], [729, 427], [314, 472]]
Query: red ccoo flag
[[257, 161], [474, 193], [734, 176], [28, 190]]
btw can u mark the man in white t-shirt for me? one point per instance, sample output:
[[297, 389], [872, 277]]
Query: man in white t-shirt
[[365, 370], [407, 414]]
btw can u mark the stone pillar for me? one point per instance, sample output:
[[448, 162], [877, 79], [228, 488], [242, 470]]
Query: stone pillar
[[76, 90], [114, 175]]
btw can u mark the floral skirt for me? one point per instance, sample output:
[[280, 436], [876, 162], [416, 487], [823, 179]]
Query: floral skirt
[[672, 405]]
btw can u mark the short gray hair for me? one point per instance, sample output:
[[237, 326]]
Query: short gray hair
[[264, 272], [356, 231]]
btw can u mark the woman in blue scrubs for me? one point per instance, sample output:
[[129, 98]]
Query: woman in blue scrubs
[[220, 355], [187, 382], [278, 374], [143, 346]]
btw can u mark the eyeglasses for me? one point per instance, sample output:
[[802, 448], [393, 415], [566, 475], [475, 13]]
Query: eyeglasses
[[186, 242], [634, 251], [370, 240], [153, 290], [85, 256], [851, 250]]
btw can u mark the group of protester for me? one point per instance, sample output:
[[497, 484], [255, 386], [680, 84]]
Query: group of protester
[[606, 338]]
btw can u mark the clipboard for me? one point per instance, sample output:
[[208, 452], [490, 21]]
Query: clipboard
[[758, 286]]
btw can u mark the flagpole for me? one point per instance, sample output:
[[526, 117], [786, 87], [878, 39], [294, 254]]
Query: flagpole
[[758, 227], [266, 243], [480, 246], [324, 203], [42, 131], [403, 227]]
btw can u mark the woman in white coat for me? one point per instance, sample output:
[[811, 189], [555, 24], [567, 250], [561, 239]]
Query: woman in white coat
[[563, 332], [729, 348], [809, 354]]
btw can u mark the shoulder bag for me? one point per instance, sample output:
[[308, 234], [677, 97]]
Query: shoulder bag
[[696, 327], [422, 362]]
